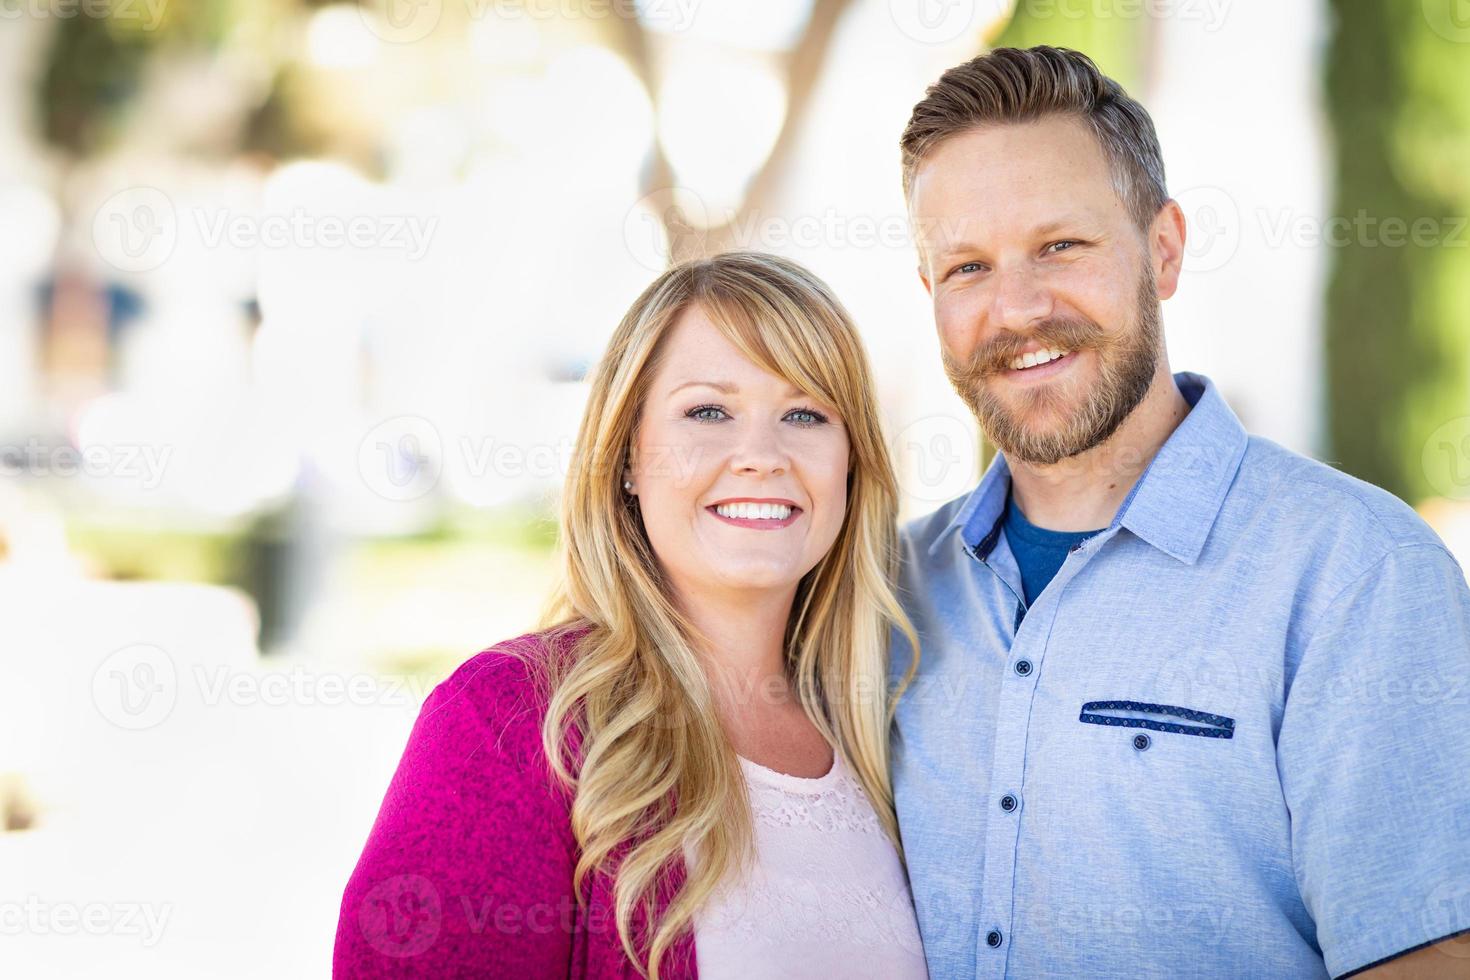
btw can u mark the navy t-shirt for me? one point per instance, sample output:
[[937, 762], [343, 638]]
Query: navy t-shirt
[[1038, 550]]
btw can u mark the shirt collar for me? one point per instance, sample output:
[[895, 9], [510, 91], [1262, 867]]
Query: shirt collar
[[1172, 506]]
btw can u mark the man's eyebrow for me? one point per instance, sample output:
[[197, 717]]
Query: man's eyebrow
[[724, 387], [1066, 222]]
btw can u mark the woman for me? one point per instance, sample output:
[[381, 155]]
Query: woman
[[685, 773]]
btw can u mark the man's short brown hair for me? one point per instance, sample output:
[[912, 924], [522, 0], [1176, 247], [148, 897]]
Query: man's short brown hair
[[1016, 85]]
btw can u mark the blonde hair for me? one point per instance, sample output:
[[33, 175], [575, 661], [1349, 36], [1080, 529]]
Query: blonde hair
[[653, 770]]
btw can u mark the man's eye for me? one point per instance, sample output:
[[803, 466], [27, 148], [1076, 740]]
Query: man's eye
[[1062, 246], [705, 413], [967, 267]]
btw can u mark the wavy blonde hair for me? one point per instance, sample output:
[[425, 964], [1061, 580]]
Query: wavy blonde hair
[[653, 770]]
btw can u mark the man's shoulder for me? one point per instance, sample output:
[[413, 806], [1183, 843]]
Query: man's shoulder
[[1307, 495], [917, 534]]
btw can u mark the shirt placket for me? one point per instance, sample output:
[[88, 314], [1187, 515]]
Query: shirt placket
[[1031, 631]]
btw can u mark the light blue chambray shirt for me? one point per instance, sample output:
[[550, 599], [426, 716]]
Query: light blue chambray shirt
[[1231, 738]]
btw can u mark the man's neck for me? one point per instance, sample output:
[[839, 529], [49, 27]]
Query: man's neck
[[1084, 492]]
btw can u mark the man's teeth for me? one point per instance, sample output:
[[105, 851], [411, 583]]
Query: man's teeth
[[757, 512], [1035, 358]]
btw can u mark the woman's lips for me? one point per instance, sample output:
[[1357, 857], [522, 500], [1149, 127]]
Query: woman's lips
[[759, 524]]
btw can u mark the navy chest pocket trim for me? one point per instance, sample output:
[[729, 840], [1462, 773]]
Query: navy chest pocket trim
[[1211, 726]]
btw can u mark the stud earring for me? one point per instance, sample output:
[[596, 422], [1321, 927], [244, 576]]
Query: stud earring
[[628, 485]]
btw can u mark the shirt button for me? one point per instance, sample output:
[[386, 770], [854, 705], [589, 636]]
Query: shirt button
[[992, 938], [1008, 803], [1140, 742], [1023, 667]]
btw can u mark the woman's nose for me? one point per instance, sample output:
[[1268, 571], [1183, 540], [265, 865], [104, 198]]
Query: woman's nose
[[760, 451]]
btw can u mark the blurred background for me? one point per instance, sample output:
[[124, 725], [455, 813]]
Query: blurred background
[[297, 299]]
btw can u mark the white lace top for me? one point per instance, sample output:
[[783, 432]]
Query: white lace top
[[827, 898]]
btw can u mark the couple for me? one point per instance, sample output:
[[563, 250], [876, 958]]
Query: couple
[[1158, 698]]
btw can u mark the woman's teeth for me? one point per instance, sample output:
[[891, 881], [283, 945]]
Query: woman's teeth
[[1035, 358], [756, 512]]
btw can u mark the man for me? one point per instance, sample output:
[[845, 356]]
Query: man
[[1187, 703]]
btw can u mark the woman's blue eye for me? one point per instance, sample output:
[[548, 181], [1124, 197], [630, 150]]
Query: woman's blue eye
[[714, 413], [699, 414], [1068, 242]]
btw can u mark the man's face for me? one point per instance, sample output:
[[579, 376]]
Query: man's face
[[1027, 251]]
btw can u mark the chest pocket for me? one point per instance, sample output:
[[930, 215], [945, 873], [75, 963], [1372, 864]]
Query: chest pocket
[[1157, 717]]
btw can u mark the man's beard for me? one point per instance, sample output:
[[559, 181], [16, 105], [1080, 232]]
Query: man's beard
[[1126, 368]]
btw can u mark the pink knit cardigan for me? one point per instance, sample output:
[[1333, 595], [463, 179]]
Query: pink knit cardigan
[[468, 870]]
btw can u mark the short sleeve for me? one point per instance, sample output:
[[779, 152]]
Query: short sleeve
[[467, 871], [1374, 758]]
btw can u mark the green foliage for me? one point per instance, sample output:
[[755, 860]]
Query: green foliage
[[1398, 312], [1112, 34]]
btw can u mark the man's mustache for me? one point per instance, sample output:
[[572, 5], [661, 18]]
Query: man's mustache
[[1067, 335]]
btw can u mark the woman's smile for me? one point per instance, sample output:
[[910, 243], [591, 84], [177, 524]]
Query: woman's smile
[[759, 513]]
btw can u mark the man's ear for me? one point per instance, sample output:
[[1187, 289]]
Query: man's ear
[[928, 288], [1166, 247]]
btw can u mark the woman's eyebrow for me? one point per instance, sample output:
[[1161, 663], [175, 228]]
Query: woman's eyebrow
[[725, 387]]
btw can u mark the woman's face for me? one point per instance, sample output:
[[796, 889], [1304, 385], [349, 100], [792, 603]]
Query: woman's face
[[742, 481]]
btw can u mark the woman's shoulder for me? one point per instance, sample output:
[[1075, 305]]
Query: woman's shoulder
[[504, 686]]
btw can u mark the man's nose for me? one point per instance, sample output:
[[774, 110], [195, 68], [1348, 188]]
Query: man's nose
[[1021, 299]]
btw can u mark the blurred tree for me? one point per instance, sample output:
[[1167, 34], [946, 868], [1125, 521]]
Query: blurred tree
[[96, 64], [1398, 302], [803, 65]]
